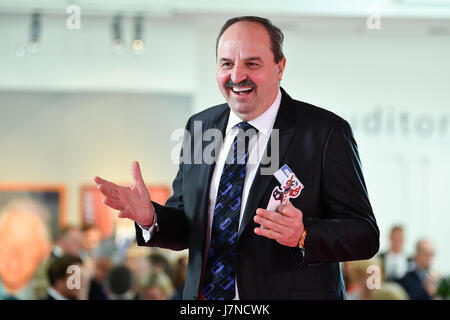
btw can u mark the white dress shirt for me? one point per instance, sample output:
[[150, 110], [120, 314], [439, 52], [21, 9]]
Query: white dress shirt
[[395, 264], [264, 124]]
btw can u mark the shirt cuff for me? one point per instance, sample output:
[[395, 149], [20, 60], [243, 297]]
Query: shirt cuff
[[148, 232]]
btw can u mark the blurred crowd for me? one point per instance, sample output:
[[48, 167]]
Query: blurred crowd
[[395, 275], [79, 265]]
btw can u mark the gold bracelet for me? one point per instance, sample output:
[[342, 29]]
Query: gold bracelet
[[301, 242]]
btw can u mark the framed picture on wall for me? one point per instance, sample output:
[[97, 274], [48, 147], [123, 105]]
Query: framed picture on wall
[[47, 202], [30, 216]]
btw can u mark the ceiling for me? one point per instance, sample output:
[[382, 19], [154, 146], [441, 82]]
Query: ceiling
[[410, 9]]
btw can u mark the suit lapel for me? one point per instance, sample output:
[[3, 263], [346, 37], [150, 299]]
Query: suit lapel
[[286, 124], [205, 171]]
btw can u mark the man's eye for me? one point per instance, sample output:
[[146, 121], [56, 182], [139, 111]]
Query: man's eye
[[226, 64], [252, 64]]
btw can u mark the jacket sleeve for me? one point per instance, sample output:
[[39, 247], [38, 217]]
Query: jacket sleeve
[[348, 229]]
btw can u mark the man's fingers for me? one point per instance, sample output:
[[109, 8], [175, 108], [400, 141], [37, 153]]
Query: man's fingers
[[290, 211], [107, 183], [268, 224], [274, 216], [108, 192], [138, 181], [267, 233], [115, 204], [287, 210], [124, 214]]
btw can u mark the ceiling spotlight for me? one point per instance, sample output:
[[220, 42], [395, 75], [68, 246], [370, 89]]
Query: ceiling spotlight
[[118, 45], [138, 43], [138, 46]]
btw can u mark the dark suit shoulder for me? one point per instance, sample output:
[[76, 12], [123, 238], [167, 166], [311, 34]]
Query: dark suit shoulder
[[316, 114], [210, 113]]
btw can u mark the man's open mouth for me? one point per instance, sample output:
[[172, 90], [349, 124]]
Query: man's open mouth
[[242, 91]]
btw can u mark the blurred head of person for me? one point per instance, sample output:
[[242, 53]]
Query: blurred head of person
[[367, 276], [24, 245], [396, 239], [138, 261], [424, 254], [60, 273], [156, 286], [70, 240], [179, 277], [102, 266], [160, 263], [120, 283], [91, 238]]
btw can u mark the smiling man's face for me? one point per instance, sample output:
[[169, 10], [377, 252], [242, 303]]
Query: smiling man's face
[[247, 74]]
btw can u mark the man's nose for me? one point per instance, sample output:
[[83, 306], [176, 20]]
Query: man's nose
[[238, 73]]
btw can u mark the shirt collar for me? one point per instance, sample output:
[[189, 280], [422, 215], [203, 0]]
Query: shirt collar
[[52, 292], [264, 123]]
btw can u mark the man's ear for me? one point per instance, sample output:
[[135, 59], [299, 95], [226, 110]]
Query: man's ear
[[281, 65]]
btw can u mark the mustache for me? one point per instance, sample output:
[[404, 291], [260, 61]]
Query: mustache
[[244, 83]]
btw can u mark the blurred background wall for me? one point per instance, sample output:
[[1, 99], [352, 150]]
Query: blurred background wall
[[78, 107]]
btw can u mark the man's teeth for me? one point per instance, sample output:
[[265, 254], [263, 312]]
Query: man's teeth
[[242, 89]]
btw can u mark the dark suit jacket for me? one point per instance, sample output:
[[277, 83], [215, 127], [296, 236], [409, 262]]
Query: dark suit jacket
[[414, 286], [319, 148]]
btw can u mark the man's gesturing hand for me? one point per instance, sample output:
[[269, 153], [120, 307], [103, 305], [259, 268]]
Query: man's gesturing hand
[[284, 225], [134, 202]]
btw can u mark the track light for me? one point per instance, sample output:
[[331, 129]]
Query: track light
[[34, 45], [138, 43], [118, 45]]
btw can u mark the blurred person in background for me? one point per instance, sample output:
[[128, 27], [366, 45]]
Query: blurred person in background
[[24, 247], [120, 284], [160, 263], [157, 286], [61, 286], [68, 241], [421, 282], [90, 241], [366, 282], [96, 288], [349, 276], [179, 277], [138, 261], [394, 261]]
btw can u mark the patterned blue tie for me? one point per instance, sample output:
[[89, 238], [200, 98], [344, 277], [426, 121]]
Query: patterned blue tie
[[220, 268]]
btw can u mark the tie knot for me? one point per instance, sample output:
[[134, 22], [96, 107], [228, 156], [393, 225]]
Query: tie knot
[[244, 126]]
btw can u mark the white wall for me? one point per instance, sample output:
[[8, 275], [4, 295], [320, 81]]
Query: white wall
[[83, 59], [391, 84], [69, 138]]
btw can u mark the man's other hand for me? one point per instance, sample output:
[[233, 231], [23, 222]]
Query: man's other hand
[[133, 202], [284, 225]]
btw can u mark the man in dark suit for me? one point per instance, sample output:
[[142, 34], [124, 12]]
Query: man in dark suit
[[58, 275], [420, 283], [240, 245]]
